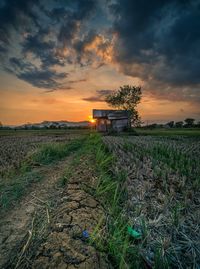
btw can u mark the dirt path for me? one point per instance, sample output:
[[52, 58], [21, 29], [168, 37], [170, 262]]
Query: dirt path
[[77, 211], [15, 224], [72, 210]]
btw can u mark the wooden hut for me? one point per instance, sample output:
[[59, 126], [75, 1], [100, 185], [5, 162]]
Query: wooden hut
[[111, 120]]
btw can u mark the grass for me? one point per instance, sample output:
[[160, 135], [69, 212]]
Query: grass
[[16, 183], [111, 191], [38, 231], [164, 184], [169, 132], [115, 241], [45, 132], [140, 131], [174, 158], [65, 177], [11, 191], [56, 151], [123, 250]]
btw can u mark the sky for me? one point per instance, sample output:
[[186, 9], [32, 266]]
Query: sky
[[60, 58]]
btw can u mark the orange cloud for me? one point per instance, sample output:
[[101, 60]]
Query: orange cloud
[[102, 47]]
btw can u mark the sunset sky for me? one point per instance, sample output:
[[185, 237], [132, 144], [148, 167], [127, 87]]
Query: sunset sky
[[60, 58]]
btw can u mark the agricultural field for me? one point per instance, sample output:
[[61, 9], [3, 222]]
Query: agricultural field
[[169, 132], [163, 198], [77, 199], [16, 145]]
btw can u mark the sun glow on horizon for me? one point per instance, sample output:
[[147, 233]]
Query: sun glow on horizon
[[91, 120]]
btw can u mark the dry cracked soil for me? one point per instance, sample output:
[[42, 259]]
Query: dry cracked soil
[[50, 227]]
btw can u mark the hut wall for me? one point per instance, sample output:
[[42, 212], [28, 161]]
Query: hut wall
[[103, 125], [120, 125]]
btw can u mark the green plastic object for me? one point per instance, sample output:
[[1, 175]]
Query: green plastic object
[[133, 233]]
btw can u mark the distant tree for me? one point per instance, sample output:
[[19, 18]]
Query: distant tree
[[170, 124], [153, 126], [1, 125], [52, 126], [179, 124], [189, 122], [127, 97]]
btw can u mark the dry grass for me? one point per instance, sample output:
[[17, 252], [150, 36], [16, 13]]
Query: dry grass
[[163, 197], [14, 148]]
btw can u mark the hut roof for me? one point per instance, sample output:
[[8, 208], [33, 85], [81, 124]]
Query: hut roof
[[110, 114]]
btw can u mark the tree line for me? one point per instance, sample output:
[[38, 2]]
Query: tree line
[[187, 123]]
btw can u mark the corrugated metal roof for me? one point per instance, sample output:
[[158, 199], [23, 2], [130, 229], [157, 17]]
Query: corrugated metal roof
[[110, 114]]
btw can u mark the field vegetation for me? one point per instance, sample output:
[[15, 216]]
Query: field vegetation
[[194, 132], [162, 197], [144, 190], [15, 146]]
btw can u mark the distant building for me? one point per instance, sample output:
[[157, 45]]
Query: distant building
[[111, 120]]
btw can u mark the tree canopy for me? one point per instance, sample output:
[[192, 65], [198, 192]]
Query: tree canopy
[[127, 97], [179, 124], [189, 122]]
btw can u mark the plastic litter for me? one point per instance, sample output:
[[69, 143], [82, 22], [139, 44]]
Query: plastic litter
[[133, 233], [85, 234]]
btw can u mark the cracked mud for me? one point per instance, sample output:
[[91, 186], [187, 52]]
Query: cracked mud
[[74, 211]]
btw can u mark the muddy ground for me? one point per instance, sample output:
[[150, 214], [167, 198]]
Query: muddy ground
[[52, 225]]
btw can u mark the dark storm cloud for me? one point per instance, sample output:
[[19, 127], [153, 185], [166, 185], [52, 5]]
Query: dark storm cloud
[[38, 77], [44, 30], [72, 18], [159, 42], [3, 50], [43, 48], [161, 34], [79, 46], [14, 15], [43, 78], [99, 97], [169, 92]]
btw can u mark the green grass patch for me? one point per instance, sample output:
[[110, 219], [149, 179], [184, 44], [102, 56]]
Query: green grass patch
[[15, 184], [175, 159], [111, 191], [169, 132], [46, 132], [56, 151], [65, 177], [13, 189]]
